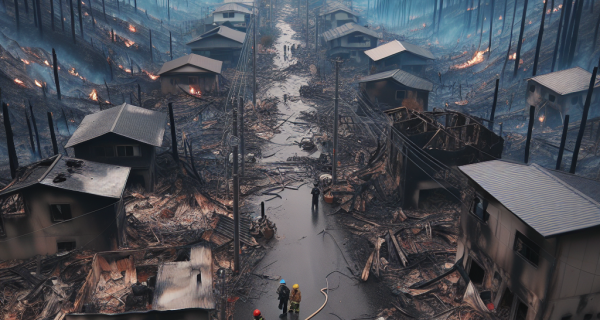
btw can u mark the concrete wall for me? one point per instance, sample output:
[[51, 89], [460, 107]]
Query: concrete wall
[[384, 92], [95, 231], [206, 82]]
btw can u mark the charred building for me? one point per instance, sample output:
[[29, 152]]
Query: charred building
[[221, 43], [425, 149], [123, 136], [350, 41], [396, 88], [559, 93], [237, 14], [61, 204], [336, 14], [192, 73], [399, 55], [530, 237]]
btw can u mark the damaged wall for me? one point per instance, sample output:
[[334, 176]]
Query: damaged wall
[[384, 92]]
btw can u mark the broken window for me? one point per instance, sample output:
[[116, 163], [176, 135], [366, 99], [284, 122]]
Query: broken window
[[60, 212], [527, 249], [476, 272], [552, 98], [128, 151], [479, 208], [65, 246], [532, 88], [400, 94], [521, 311]]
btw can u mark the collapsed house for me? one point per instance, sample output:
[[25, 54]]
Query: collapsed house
[[61, 204], [530, 236], [560, 93], [124, 136], [238, 14], [396, 88], [399, 55], [221, 43], [350, 41], [191, 73], [336, 14], [425, 148]]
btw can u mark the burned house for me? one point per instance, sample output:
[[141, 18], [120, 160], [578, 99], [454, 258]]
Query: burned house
[[191, 73], [125, 135], [530, 237], [559, 93], [221, 43], [350, 41], [425, 148], [399, 55], [336, 14], [235, 13], [61, 204], [396, 88]]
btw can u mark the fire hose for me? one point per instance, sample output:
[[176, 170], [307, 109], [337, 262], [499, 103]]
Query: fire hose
[[324, 292]]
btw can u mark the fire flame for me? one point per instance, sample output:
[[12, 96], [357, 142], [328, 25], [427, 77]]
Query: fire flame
[[125, 69], [94, 95], [477, 59], [129, 43], [73, 72], [17, 81], [132, 28], [512, 56], [37, 83], [542, 118], [194, 92], [46, 62], [500, 18], [25, 61]]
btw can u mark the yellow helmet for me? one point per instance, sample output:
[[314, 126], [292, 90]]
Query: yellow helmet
[[296, 286]]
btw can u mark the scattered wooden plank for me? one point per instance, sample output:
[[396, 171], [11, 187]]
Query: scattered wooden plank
[[131, 270], [357, 217], [377, 262], [103, 263], [114, 271], [399, 250], [365, 273]]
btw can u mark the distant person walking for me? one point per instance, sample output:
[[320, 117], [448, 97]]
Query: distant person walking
[[285, 98], [284, 295], [295, 298], [315, 196]]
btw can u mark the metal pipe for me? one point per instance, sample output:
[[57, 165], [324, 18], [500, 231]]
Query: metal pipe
[[529, 132], [563, 140]]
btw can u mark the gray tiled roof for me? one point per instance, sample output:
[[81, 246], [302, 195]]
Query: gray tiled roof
[[566, 81], [233, 7], [193, 60], [334, 7], [224, 31], [129, 121], [394, 47], [89, 177], [402, 77], [347, 29], [539, 197]]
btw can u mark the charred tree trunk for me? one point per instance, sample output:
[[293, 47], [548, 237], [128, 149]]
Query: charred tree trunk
[[104, 10], [478, 11], [66, 120], [39, 16], [470, 15], [107, 92], [556, 43], [26, 7], [10, 143], [576, 21], [52, 135], [17, 16], [529, 132], [491, 26], [520, 43], [584, 116], [173, 133], [118, 7], [539, 40], [72, 20], [440, 14], [433, 23], [563, 140], [56, 79], [35, 129], [111, 71], [564, 35], [493, 113], [169, 9], [62, 20], [135, 5], [33, 8], [52, 14], [30, 132], [504, 15], [171, 45], [92, 14], [596, 31], [80, 17]]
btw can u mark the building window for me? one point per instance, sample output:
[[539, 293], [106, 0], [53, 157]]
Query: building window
[[476, 272], [60, 212], [521, 311], [65, 246], [355, 39], [552, 98], [574, 100], [128, 151], [479, 208], [103, 151], [228, 14], [527, 249], [193, 80], [400, 94], [532, 88]]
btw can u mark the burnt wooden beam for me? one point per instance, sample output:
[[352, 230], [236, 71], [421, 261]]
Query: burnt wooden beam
[[520, 42], [539, 40], [10, 142], [80, 17], [173, 134], [72, 20], [35, 129], [491, 123], [17, 16], [563, 141], [30, 132], [62, 20], [584, 116], [52, 135], [52, 14], [529, 132], [56, 79]]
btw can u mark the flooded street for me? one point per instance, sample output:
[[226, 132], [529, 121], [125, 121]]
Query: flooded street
[[309, 246]]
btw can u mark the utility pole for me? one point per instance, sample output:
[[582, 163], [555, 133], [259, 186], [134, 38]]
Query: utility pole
[[491, 123], [236, 193], [254, 62], [242, 140], [529, 132], [563, 140], [335, 121]]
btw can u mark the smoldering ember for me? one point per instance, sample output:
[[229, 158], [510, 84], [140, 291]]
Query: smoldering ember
[[300, 159]]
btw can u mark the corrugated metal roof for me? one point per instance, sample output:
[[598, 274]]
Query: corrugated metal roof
[[393, 47], [177, 285], [402, 77], [224, 31], [129, 121], [541, 199], [347, 29], [233, 7], [567, 81], [336, 6], [225, 227], [194, 60], [79, 175]]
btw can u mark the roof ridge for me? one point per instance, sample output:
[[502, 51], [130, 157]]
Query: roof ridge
[[564, 184], [43, 176], [118, 116]]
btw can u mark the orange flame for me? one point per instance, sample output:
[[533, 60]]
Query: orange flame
[[37, 83], [94, 95], [46, 62], [194, 92], [132, 28], [477, 59], [25, 61], [129, 43], [500, 18], [17, 81], [512, 56], [542, 118], [73, 72]]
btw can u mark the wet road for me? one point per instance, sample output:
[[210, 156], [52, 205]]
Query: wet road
[[301, 253]]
